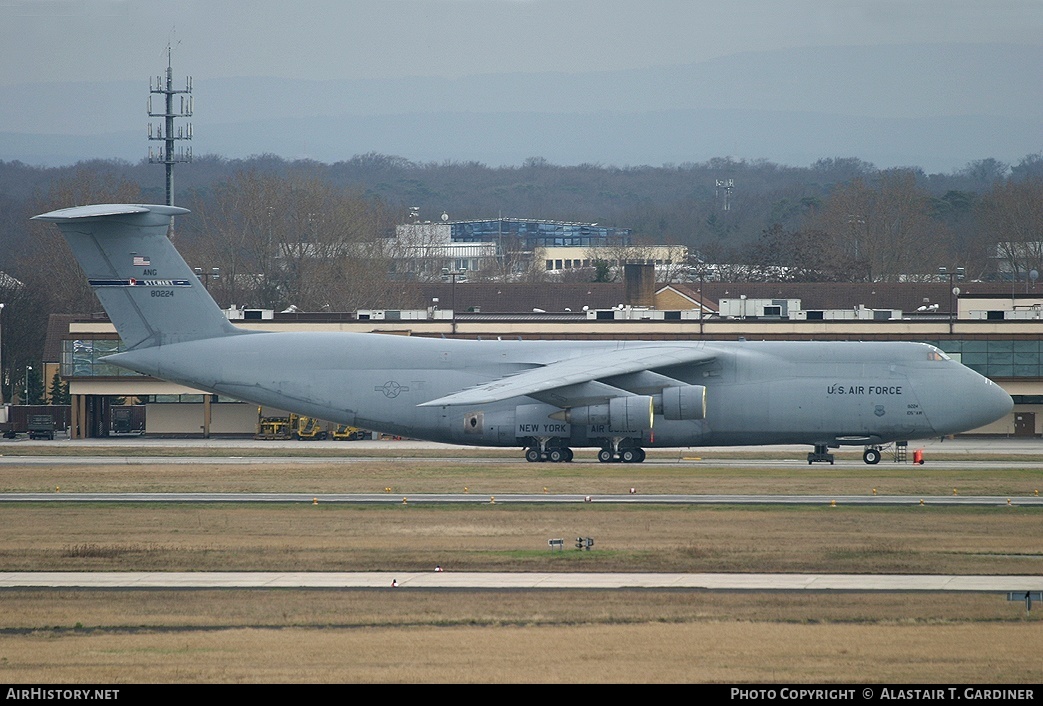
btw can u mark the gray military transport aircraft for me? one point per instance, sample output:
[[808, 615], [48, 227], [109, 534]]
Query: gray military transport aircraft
[[547, 397]]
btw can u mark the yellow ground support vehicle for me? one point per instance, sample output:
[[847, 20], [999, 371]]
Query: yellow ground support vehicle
[[272, 427], [343, 432], [296, 426], [307, 428]]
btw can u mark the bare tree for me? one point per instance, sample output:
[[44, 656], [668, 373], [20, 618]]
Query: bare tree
[[1011, 225], [237, 231], [886, 225], [511, 261], [669, 260], [24, 323], [293, 240], [802, 256]]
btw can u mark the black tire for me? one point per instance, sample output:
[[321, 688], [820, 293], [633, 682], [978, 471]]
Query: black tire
[[871, 456], [606, 456], [556, 455], [628, 456], [532, 455]]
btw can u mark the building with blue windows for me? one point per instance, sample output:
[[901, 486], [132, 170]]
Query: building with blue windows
[[501, 246], [533, 233]]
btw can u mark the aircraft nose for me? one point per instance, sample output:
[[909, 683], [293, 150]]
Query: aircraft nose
[[987, 403], [996, 403]]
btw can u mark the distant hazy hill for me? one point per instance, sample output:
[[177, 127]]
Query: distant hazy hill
[[937, 106]]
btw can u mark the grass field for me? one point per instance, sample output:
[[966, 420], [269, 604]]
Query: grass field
[[517, 636]]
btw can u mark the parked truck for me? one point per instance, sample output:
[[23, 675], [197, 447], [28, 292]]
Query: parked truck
[[41, 426]]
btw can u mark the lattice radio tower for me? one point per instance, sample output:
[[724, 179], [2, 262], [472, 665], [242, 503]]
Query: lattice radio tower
[[166, 154], [725, 185]]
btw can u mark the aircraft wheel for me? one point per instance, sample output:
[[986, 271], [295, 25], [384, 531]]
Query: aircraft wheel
[[568, 454], [640, 456], [871, 456], [556, 455], [628, 456], [606, 456], [532, 455]]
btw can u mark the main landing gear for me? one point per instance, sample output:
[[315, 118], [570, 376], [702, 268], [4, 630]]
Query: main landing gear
[[634, 455], [538, 451], [557, 454], [871, 455], [611, 452]]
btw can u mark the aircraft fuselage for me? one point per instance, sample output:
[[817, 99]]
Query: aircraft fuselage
[[619, 396], [755, 392]]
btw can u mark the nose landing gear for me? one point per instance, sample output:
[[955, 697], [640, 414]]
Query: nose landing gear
[[871, 455]]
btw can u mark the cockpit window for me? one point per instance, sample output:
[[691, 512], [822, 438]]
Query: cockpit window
[[935, 354]]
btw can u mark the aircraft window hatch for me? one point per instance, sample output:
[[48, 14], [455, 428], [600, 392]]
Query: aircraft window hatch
[[936, 354]]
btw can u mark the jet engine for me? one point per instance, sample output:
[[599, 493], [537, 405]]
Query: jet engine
[[620, 414], [687, 402]]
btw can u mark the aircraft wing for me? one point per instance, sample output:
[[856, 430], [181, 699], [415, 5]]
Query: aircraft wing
[[574, 371]]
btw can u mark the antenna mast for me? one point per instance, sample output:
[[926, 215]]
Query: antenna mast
[[164, 132], [726, 185]]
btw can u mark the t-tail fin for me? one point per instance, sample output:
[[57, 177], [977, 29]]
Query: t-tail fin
[[147, 289]]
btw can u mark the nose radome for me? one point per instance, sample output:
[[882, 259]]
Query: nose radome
[[973, 402], [999, 404], [990, 403]]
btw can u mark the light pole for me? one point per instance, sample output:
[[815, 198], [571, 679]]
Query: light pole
[[28, 369], [452, 274], [702, 299], [1, 354], [855, 222], [954, 291], [214, 273]]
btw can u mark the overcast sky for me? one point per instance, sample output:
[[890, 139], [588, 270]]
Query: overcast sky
[[99, 40], [805, 79]]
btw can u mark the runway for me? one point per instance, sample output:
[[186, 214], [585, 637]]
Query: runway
[[974, 453], [962, 453], [445, 580], [533, 498]]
